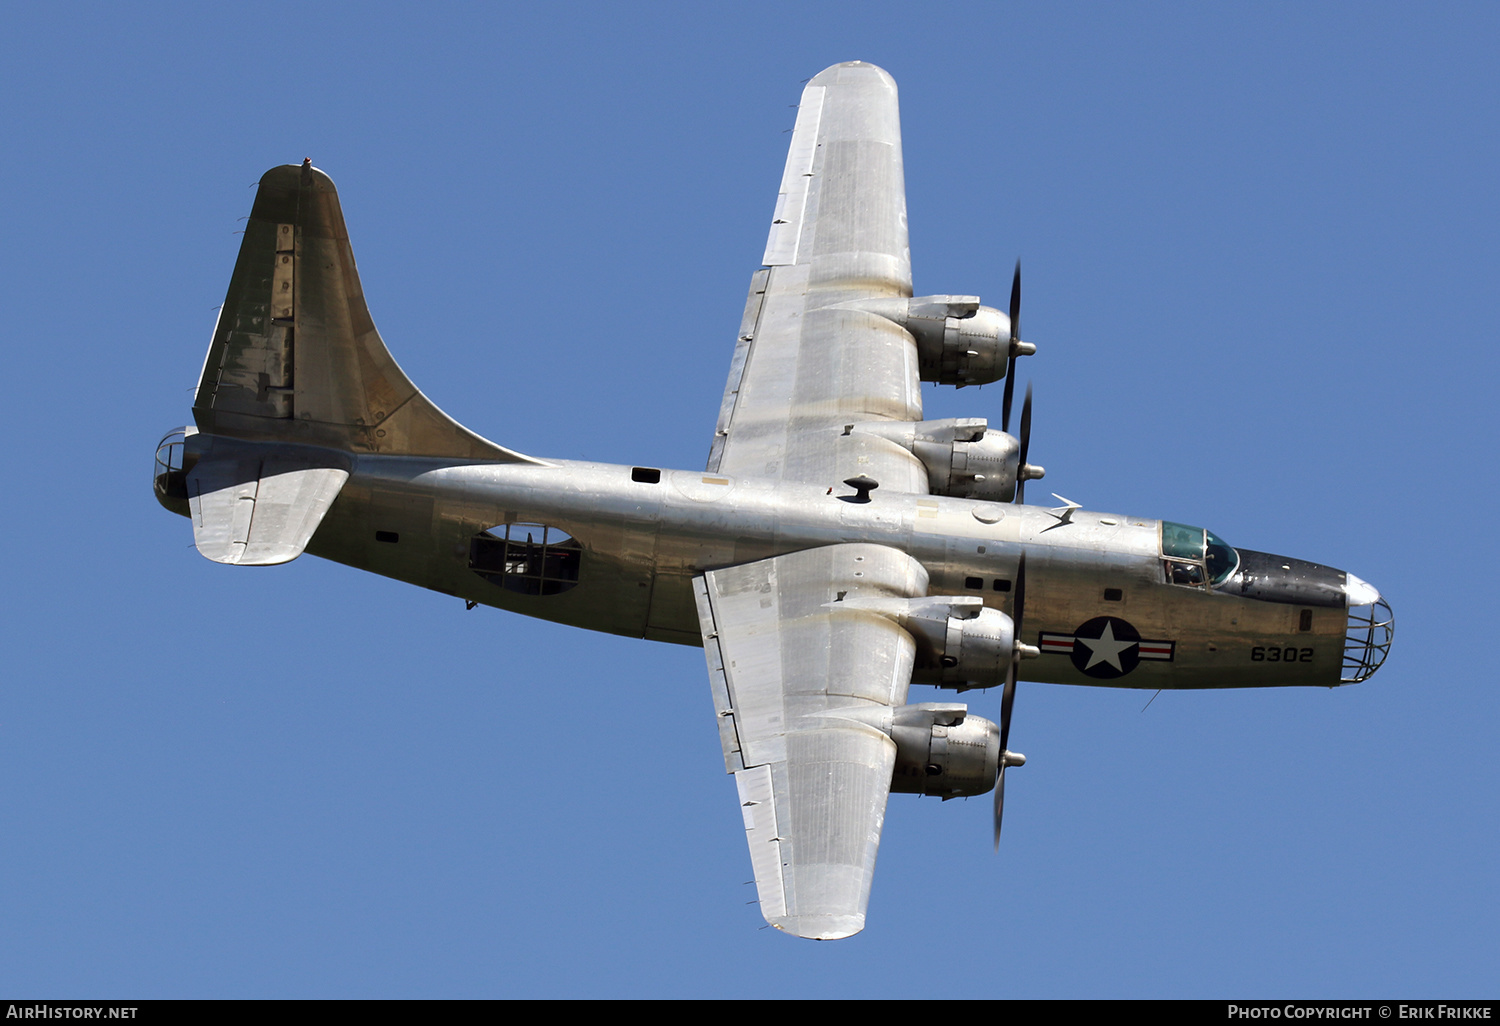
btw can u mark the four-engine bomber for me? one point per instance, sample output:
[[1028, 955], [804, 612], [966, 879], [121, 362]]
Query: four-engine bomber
[[836, 549]]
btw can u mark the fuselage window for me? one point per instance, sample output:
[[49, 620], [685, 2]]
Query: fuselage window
[[532, 559]]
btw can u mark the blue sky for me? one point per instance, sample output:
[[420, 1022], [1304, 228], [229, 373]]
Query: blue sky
[[1260, 256]]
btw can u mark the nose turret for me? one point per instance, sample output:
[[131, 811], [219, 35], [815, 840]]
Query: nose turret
[[1367, 639]]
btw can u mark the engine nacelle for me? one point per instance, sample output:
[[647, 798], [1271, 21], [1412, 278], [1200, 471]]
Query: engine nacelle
[[969, 646], [959, 342], [963, 457], [943, 751], [960, 643]]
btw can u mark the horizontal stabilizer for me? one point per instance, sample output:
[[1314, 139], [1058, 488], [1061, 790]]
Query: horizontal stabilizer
[[257, 505]]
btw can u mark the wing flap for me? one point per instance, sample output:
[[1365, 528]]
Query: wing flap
[[754, 300], [758, 807]]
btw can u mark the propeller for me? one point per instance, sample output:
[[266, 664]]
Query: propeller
[[1008, 699], [1024, 470], [1015, 340]]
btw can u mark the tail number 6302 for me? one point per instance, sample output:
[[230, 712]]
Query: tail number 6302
[[1291, 654]]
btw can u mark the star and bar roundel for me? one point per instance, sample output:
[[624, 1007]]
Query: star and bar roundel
[[1106, 647]]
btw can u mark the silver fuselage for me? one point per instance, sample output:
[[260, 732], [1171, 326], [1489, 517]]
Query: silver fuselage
[[413, 519]]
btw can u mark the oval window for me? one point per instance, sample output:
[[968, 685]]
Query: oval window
[[531, 559]]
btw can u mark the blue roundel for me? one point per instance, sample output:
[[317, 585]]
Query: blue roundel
[[1106, 647]]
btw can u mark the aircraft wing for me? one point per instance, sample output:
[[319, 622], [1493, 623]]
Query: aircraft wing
[[808, 362], [802, 678]]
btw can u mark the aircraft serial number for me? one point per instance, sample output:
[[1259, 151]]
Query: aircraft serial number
[[1261, 654]]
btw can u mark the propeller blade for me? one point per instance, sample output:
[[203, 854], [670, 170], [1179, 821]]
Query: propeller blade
[[1008, 696], [1015, 305], [1010, 389], [1020, 604], [1007, 702], [1015, 335], [999, 803], [1025, 447]]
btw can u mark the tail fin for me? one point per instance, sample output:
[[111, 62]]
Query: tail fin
[[295, 356]]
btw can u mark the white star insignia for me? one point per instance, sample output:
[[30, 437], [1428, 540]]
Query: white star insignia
[[1105, 649]]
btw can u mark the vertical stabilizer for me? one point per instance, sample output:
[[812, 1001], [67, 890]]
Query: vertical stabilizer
[[295, 356]]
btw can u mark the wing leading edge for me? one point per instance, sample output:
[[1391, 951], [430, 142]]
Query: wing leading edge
[[804, 679]]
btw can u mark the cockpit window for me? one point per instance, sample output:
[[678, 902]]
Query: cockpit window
[[1222, 560], [1181, 540], [1192, 556], [1190, 574]]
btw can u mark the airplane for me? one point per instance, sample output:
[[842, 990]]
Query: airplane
[[836, 549]]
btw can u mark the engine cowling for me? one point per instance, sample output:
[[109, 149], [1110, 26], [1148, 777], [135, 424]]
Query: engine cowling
[[962, 456], [960, 643], [959, 341], [943, 751], [974, 650]]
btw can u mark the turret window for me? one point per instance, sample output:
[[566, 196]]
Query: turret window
[[532, 559]]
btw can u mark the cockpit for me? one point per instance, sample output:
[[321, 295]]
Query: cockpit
[[1194, 557]]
